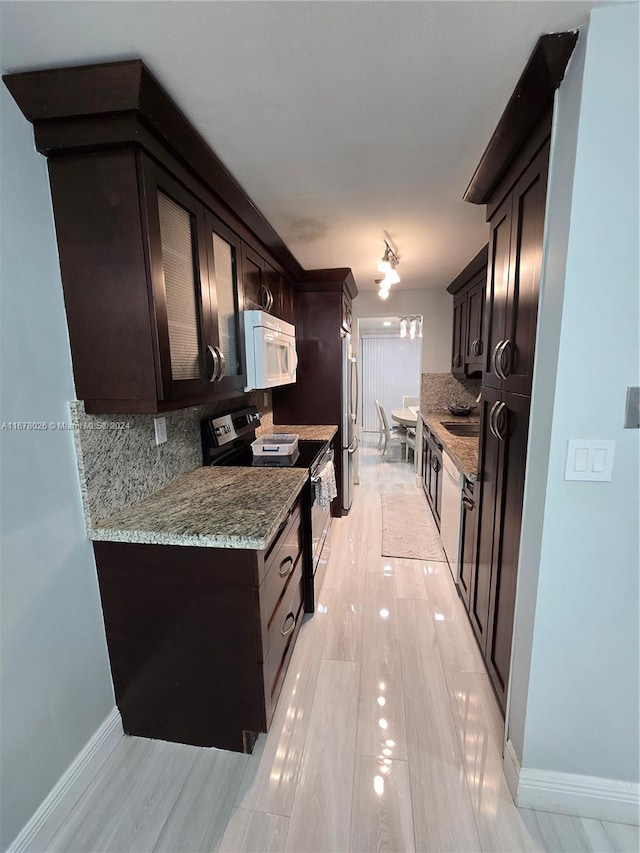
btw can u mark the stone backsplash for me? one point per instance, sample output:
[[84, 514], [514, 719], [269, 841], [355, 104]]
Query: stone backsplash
[[119, 462], [440, 389]]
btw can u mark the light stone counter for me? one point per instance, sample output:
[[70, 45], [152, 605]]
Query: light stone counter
[[209, 507], [317, 432], [463, 450]]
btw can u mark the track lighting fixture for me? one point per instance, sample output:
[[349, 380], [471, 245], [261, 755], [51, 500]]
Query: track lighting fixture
[[387, 265]]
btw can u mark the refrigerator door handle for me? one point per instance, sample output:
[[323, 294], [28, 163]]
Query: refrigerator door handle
[[353, 446]]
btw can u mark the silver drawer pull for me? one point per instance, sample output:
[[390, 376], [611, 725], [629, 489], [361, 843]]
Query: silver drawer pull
[[284, 568], [292, 626]]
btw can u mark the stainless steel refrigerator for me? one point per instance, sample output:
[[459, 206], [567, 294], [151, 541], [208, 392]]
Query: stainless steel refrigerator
[[349, 421]]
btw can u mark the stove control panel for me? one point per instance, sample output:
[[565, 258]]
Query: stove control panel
[[224, 429]]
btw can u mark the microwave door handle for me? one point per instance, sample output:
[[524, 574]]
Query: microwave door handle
[[295, 358]]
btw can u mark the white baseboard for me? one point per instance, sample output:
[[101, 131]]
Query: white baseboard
[[46, 821], [572, 794]]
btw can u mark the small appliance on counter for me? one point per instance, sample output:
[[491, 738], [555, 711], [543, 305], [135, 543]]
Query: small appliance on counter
[[229, 439], [270, 350]]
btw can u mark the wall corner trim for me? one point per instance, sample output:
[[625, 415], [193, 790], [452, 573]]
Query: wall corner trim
[[55, 808], [570, 793]]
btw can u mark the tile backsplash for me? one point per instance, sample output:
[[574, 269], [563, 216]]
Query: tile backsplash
[[439, 389], [119, 462]]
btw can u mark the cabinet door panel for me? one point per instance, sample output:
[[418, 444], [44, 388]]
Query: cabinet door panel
[[513, 427], [273, 283], [178, 265], [224, 248], [288, 303], [468, 556], [524, 277], [474, 346], [488, 485], [497, 284], [459, 324], [253, 280]]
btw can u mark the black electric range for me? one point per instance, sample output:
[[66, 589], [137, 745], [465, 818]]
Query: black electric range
[[226, 440]]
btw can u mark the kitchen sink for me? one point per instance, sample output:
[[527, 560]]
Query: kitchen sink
[[462, 429]]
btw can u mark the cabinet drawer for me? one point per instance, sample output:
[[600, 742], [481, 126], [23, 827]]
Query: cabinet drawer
[[280, 560], [283, 631]]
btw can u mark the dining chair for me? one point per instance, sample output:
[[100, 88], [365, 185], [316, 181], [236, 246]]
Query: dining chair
[[410, 444], [389, 435]]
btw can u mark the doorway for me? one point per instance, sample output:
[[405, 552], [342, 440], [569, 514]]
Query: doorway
[[390, 364]]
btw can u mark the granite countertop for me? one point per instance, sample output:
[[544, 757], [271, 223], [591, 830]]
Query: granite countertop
[[210, 507], [319, 432], [463, 450]]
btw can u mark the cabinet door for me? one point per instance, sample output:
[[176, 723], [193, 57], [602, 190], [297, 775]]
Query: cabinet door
[[516, 355], [468, 543], [512, 425], [273, 284], [253, 280], [459, 323], [487, 489], [178, 265], [497, 289], [288, 303], [223, 254], [426, 462], [474, 346]]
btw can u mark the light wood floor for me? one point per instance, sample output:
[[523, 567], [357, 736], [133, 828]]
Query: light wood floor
[[387, 736]]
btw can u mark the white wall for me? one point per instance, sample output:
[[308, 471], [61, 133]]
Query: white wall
[[436, 306], [581, 711], [55, 682]]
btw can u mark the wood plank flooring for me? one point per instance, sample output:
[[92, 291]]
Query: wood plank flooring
[[387, 736]]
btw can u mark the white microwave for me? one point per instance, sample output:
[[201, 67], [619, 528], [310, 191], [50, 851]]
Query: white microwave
[[270, 350]]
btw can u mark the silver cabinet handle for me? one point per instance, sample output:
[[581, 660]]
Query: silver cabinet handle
[[505, 370], [494, 357], [499, 434], [215, 361], [457, 360], [476, 347], [497, 359], [284, 568], [492, 415], [293, 624], [354, 446], [266, 297], [223, 363]]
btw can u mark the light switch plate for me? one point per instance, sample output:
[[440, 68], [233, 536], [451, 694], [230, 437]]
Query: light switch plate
[[589, 459], [632, 409], [160, 425]]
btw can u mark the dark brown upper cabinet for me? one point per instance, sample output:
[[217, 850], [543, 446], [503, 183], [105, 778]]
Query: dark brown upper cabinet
[[264, 288], [153, 235], [150, 285], [515, 257], [469, 290]]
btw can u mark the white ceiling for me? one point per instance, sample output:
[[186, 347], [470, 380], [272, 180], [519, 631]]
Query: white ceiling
[[342, 120]]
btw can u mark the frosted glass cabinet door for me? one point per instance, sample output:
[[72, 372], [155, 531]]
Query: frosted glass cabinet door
[[223, 250], [179, 265]]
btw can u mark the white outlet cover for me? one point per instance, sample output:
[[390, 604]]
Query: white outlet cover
[[160, 425], [589, 459]]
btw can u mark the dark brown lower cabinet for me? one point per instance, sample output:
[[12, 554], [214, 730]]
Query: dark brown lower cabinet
[[432, 472], [504, 420], [200, 639], [468, 537]]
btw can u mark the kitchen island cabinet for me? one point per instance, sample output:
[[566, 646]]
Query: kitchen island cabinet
[[202, 612]]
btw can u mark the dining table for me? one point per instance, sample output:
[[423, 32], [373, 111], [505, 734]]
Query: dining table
[[406, 416]]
